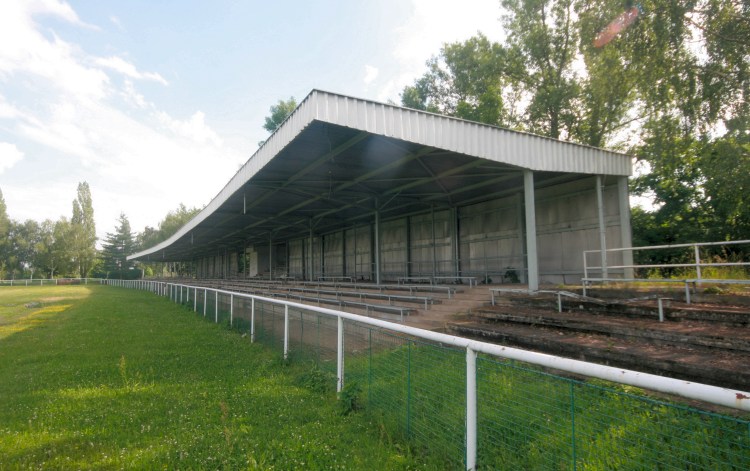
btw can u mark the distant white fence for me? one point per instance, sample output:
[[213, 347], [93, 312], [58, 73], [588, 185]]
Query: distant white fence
[[51, 281]]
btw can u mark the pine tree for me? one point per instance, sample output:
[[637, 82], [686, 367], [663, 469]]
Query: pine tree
[[117, 247]]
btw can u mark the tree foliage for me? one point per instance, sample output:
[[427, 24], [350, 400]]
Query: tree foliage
[[50, 248], [279, 113], [115, 250], [4, 236], [83, 230], [672, 90], [172, 222]]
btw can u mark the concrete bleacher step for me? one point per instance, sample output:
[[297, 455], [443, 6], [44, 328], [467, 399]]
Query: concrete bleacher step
[[459, 306], [717, 314], [709, 344], [697, 334], [680, 362]]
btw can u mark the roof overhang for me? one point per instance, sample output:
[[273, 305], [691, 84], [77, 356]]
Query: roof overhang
[[336, 160]]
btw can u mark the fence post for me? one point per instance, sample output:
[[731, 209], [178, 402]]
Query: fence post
[[697, 262], [286, 331], [231, 309], [205, 301], [471, 409], [340, 356], [195, 299], [252, 320], [573, 424], [216, 307]]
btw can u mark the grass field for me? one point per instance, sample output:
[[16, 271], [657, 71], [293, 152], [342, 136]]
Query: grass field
[[105, 378], [94, 377]]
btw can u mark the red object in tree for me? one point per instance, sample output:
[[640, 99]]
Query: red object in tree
[[617, 25]]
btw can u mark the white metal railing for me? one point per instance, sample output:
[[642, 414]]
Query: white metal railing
[[702, 392], [698, 264], [49, 281]]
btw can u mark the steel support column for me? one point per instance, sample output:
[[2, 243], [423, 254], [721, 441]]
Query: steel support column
[[532, 259], [602, 225], [626, 231], [310, 270], [377, 245]]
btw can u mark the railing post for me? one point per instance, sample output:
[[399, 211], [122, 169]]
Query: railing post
[[340, 356], [286, 331], [252, 320], [661, 309], [471, 409], [697, 262]]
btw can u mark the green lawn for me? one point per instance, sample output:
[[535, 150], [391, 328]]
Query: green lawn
[[99, 377]]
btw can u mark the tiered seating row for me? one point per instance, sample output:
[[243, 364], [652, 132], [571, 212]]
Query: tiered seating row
[[365, 296]]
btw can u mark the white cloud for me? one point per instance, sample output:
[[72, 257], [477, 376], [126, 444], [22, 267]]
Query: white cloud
[[133, 97], [25, 51], [7, 111], [194, 128], [127, 69], [116, 21], [9, 156], [371, 73], [136, 157], [56, 8]]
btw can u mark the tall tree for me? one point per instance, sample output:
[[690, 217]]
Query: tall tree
[[466, 81], [672, 89], [279, 113], [83, 230], [62, 253], [172, 222], [542, 45], [117, 246], [4, 236], [24, 239], [44, 259]]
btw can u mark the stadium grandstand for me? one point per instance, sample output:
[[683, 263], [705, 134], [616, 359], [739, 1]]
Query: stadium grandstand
[[357, 190]]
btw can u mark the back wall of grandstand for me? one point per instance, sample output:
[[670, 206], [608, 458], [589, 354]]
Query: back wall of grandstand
[[485, 240]]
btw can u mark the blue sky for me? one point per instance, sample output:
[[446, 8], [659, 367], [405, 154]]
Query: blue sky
[[159, 103]]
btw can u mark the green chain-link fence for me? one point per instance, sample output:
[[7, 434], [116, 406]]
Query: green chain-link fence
[[527, 418]]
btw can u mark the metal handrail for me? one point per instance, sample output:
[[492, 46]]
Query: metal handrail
[[698, 264]]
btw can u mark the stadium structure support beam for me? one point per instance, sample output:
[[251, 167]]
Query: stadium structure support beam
[[310, 254], [626, 234], [377, 244], [532, 261], [602, 225]]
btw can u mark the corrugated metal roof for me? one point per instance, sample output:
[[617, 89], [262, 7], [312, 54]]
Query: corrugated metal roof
[[411, 128], [467, 137]]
